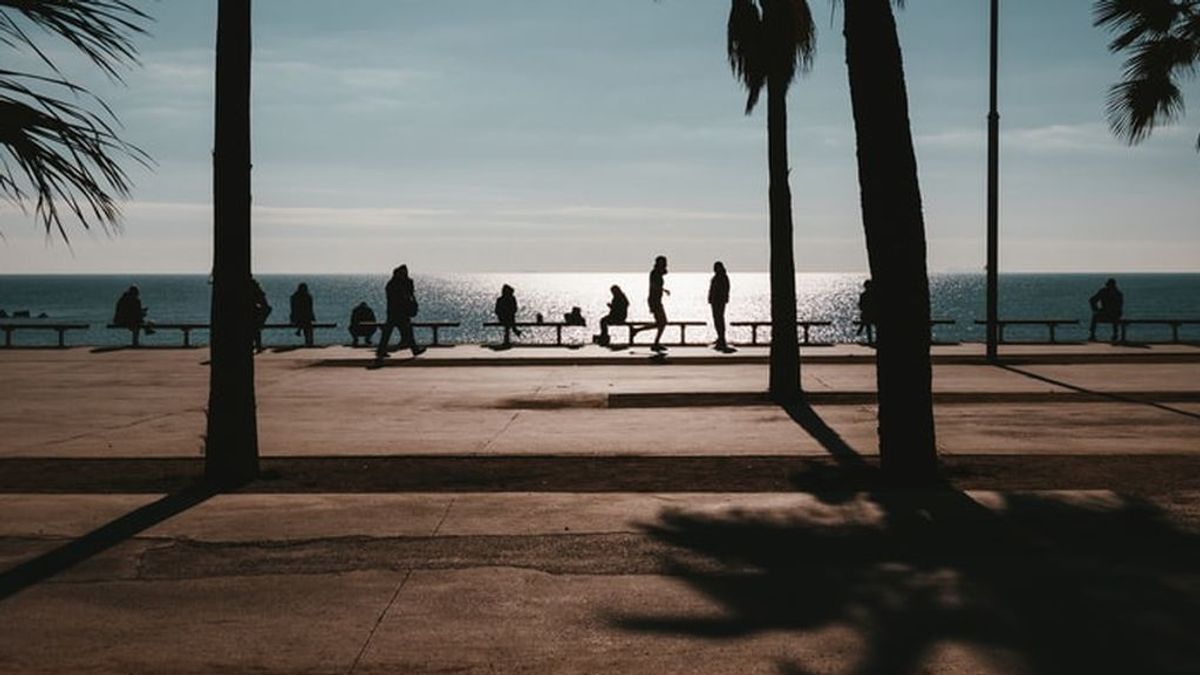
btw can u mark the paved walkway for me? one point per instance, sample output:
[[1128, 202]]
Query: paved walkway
[[609, 518]]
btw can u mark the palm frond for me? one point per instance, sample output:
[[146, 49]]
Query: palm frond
[[769, 39], [102, 30], [60, 154], [1162, 40]]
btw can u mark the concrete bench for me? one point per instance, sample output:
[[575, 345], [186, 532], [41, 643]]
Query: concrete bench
[[433, 326], [1173, 323], [1052, 324], [10, 327], [636, 327], [806, 325], [556, 325], [932, 323], [187, 328]]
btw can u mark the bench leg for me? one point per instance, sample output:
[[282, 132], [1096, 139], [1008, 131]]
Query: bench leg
[[1052, 327], [187, 341], [1175, 333], [62, 337], [806, 333], [8, 337], [558, 335], [435, 335], [682, 335], [754, 334]]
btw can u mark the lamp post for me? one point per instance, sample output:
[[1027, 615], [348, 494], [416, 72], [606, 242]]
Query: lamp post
[[993, 197]]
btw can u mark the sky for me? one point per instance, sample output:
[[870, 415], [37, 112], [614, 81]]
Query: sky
[[575, 135]]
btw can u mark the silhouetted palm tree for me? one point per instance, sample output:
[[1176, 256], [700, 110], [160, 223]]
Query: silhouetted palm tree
[[895, 232], [231, 442], [1162, 38], [57, 152], [768, 41]]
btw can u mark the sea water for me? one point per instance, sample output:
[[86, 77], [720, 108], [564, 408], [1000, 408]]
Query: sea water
[[469, 299]]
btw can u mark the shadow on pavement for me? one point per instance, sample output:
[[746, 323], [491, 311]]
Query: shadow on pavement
[[1114, 396], [101, 539], [1038, 583]]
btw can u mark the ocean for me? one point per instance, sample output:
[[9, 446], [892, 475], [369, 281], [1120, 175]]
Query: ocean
[[469, 298]]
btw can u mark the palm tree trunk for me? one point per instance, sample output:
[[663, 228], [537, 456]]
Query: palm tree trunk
[[785, 348], [895, 232], [231, 445]]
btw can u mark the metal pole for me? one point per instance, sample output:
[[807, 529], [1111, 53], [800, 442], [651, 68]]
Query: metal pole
[[993, 197]]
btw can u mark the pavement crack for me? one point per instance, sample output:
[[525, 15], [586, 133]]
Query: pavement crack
[[503, 429], [378, 622], [445, 514]]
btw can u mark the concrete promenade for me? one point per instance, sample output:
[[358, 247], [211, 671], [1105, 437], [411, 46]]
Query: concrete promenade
[[593, 511]]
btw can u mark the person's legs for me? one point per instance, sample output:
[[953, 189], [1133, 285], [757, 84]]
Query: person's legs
[[1116, 322], [1092, 327], [719, 323], [406, 333], [385, 336], [308, 335], [660, 325]]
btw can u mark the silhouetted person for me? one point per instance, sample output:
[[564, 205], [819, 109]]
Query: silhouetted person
[[656, 301], [1108, 304], [618, 312], [401, 308], [130, 314], [360, 315], [866, 311], [302, 315], [718, 298], [506, 312], [261, 309], [574, 317]]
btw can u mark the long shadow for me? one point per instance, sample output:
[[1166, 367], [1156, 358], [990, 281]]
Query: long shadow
[[1032, 583], [101, 539], [1115, 397]]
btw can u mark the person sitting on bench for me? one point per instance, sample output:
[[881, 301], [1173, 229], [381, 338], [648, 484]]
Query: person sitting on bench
[[130, 314], [574, 317], [362, 314], [618, 312], [302, 315], [506, 312], [1107, 306]]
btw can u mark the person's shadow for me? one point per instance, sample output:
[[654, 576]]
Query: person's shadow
[[1053, 583]]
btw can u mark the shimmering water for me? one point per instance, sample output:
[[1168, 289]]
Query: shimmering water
[[469, 298]]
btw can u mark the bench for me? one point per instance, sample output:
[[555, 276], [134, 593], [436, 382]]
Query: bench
[[62, 328], [636, 327], [187, 328], [806, 325], [434, 326], [556, 325], [1173, 323], [932, 323], [1052, 324]]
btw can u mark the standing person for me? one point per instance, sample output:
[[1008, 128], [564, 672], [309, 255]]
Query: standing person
[[129, 313], [866, 311], [261, 309], [1108, 304], [506, 312], [401, 308], [656, 301], [302, 315], [360, 317], [618, 312], [718, 297]]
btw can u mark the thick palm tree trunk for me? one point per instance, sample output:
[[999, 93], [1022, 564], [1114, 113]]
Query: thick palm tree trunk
[[231, 447], [785, 348], [895, 232]]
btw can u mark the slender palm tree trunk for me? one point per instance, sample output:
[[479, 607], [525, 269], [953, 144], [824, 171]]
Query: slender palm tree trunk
[[785, 349], [895, 232], [231, 447]]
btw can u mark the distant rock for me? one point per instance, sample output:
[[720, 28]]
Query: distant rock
[[21, 314], [3, 314], [43, 315]]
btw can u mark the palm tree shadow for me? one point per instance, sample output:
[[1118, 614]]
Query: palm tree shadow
[[1054, 583], [101, 539]]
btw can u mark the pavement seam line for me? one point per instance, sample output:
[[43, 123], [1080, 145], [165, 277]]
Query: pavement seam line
[[445, 514], [500, 432], [378, 622]]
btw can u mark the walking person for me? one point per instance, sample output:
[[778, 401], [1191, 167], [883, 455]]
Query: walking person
[[1108, 304], [657, 289], [401, 308], [302, 316], [506, 313], [718, 298]]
